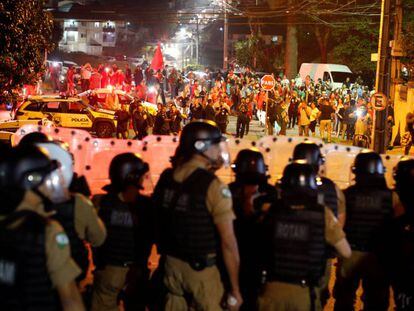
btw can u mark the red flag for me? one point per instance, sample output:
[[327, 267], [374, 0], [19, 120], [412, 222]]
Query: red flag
[[158, 61]]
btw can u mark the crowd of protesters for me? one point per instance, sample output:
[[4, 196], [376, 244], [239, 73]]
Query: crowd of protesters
[[302, 106]]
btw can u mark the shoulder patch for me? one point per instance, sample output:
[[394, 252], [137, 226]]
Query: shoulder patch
[[62, 240], [226, 193]]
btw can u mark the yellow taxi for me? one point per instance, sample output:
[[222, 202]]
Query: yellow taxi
[[68, 112]]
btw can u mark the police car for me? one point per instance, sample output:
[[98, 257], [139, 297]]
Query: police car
[[112, 99], [68, 112]]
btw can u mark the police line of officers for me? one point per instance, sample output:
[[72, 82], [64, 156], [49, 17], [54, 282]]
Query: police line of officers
[[245, 246]]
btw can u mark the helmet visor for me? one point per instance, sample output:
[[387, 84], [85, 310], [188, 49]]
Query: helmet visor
[[54, 187], [224, 154]]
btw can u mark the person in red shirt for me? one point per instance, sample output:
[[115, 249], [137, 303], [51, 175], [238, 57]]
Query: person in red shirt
[[95, 80], [105, 80], [70, 81], [141, 90]]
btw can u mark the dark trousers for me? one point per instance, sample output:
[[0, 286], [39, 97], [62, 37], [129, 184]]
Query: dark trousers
[[223, 127], [293, 119], [350, 130], [241, 124]]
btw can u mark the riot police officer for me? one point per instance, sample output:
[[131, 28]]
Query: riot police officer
[[298, 229], [36, 268], [196, 222], [333, 196], [222, 116], [124, 255], [399, 239], [79, 184], [242, 119], [333, 199], [249, 191], [77, 215], [369, 206]]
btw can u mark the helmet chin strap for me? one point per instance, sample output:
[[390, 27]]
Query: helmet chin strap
[[214, 164], [47, 203]]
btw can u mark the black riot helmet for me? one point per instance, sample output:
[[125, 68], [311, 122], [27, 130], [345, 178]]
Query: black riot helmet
[[196, 138], [299, 177], [250, 167], [127, 169], [311, 153], [368, 163], [198, 135], [35, 138], [404, 175], [26, 168]]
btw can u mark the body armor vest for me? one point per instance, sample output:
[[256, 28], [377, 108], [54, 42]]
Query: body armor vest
[[299, 245], [367, 210], [24, 278], [328, 189], [188, 230], [65, 215], [119, 247]]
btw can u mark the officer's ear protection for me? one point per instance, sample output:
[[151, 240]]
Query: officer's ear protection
[[201, 146]]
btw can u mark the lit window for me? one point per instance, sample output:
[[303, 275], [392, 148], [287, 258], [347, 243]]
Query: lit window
[[96, 24]]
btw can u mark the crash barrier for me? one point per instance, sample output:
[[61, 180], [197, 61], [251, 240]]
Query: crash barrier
[[92, 156]]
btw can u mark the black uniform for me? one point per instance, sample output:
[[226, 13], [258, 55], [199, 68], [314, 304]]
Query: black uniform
[[186, 228], [130, 235], [369, 209], [242, 120], [65, 215], [248, 230], [222, 119], [24, 282]]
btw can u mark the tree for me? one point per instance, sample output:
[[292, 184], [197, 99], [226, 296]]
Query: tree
[[256, 54], [353, 44], [25, 36]]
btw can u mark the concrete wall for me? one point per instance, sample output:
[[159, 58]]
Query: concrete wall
[[403, 104]]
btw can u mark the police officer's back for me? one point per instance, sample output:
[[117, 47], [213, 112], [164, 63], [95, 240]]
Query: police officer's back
[[399, 239], [250, 191], [333, 198], [369, 209], [195, 221], [127, 216], [37, 272], [332, 195], [77, 215], [299, 228]]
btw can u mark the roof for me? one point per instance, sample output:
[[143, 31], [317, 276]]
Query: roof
[[52, 97]]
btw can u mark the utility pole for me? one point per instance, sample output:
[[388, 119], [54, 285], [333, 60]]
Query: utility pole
[[396, 51], [226, 36], [382, 77], [197, 42]]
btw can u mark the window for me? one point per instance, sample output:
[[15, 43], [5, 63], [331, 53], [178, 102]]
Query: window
[[83, 23], [52, 107], [76, 107], [83, 35], [96, 24], [339, 76], [71, 36], [96, 36], [108, 37], [326, 76], [33, 107]]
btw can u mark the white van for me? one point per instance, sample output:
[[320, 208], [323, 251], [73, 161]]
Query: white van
[[334, 74]]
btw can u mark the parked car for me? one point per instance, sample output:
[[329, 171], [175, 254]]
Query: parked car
[[68, 112]]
